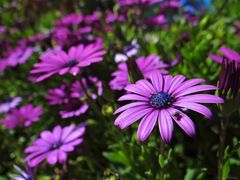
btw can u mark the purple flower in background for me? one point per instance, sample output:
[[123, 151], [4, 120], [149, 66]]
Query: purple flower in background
[[3, 64], [70, 19], [156, 20], [161, 100], [9, 104], [54, 146], [19, 55], [58, 96], [93, 18], [62, 62], [75, 108], [73, 96], [230, 54], [23, 174], [61, 35], [78, 91], [129, 51], [146, 65], [112, 17], [23, 116], [229, 80], [3, 29]]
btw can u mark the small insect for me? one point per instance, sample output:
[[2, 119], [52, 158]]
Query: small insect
[[178, 116]]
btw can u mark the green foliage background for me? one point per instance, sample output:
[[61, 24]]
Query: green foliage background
[[108, 152]]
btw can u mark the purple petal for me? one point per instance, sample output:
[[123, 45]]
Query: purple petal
[[75, 134], [187, 84], [48, 137], [133, 117], [201, 98], [195, 89], [57, 132], [52, 157], [135, 88], [129, 112], [62, 156], [146, 125], [133, 97], [183, 121], [165, 125], [195, 107], [216, 58], [157, 81], [167, 82], [36, 160], [130, 105], [176, 82]]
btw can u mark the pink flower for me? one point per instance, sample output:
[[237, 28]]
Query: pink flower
[[161, 101], [54, 146], [146, 65], [61, 62], [23, 116]]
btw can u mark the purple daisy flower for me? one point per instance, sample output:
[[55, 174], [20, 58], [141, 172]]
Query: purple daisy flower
[[161, 100], [62, 62], [7, 105], [228, 53], [58, 96], [146, 65], [23, 116], [3, 64], [20, 55], [54, 146]]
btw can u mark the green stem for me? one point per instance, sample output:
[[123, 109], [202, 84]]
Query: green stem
[[162, 148], [222, 139]]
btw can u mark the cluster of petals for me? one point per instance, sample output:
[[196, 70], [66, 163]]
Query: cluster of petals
[[61, 62], [146, 65], [54, 146], [23, 116], [73, 96], [161, 99]]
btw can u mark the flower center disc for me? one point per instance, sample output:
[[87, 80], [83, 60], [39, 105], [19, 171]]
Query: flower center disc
[[71, 63], [161, 100]]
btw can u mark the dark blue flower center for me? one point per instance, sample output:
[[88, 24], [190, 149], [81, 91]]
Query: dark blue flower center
[[71, 63], [56, 145], [161, 100]]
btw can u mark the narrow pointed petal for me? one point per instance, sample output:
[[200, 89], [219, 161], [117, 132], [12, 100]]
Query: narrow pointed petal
[[165, 125], [183, 121], [146, 125], [195, 107]]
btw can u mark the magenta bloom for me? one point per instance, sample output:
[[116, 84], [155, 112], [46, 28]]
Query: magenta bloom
[[228, 53], [59, 95], [62, 62], [23, 116], [146, 65], [156, 20], [70, 19], [161, 100], [19, 55], [54, 145]]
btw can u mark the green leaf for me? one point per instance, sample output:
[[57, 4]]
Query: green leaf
[[161, 160], [117, 157]]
